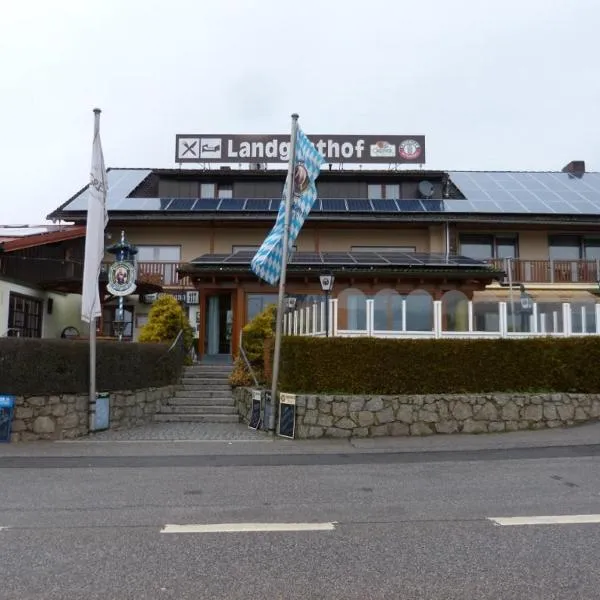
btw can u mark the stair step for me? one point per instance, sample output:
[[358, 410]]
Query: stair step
[[203, 378], [195, 401], [198, 410], [207, 376], [195, 418], [204, 394]]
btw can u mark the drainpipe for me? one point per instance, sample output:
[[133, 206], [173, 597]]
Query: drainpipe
[[447, 238]]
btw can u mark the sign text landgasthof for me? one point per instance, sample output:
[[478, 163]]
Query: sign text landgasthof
[[354, 149]]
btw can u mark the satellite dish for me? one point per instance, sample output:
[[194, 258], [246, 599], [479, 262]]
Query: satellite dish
[[426, 189]]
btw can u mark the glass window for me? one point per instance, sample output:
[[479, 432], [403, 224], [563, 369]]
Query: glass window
[[24, 316], [477, 247], [374, 191], [225, 191], [392, 191], [159, 253], [256, 303], [208, 190], [484, 247], [592, 249], [506, 248], [564, 247]]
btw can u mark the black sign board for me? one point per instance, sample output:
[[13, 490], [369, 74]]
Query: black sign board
[[7, 408], [255, 410], [287, 415], [349, 149]]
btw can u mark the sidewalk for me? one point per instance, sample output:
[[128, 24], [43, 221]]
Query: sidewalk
[[240, 442]]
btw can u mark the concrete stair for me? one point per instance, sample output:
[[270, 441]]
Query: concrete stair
[[203, 396]]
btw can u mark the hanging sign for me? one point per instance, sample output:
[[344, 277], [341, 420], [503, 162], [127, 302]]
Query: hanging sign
[[121, 279]]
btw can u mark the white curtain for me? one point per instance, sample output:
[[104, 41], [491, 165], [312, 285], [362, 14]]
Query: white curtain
[[213, 325]]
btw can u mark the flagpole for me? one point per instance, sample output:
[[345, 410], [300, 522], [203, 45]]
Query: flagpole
[[93, 319], [284, 258]]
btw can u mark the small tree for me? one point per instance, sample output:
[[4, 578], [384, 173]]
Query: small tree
[[165, 320], [255, 335]]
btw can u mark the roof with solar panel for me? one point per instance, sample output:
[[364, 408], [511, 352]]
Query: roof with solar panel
[[571, 193]]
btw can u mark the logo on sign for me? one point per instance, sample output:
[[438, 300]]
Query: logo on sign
[[409, 149], [210, 147], [383, 149], [121, 279]]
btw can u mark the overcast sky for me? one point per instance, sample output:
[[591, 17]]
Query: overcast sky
[[492, 84]]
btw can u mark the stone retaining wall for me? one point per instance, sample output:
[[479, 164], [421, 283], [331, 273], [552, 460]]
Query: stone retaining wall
[[370, 416], [66, 416]]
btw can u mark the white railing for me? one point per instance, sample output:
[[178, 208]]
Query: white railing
[[558, 319]]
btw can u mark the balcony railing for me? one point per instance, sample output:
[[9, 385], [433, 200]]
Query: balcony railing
[[549, 271], [161, 273]]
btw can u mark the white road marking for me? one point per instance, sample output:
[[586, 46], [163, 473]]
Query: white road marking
[[87, 441], [546, 520], [247, 527], [1, 528]]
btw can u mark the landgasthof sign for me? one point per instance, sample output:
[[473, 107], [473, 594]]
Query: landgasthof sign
[[356, 149]]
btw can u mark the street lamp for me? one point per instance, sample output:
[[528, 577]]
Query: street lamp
[[327, 280]]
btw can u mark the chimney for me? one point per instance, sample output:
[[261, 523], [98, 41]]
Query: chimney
[[575, 167]]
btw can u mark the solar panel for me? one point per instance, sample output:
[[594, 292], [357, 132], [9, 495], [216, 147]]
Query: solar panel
[[433, 205], [232, 204], [369, 258], [529, 193], [359, 205], [410, 206], [182, 204], [207, 204], [305, 258], [121, 182], [340, 258], [210, 258], [380, 205], [262, 204], [242, 257], [333, 205]]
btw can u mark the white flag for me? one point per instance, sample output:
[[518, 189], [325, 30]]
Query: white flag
[[97, 218]]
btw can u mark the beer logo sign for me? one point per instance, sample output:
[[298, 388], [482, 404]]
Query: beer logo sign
[[409, 149], [121, 279]]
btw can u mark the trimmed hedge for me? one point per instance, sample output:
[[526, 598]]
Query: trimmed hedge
[[48, 366], [389, 367]]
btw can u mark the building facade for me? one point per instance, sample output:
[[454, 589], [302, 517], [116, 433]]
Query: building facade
[[418, 235]]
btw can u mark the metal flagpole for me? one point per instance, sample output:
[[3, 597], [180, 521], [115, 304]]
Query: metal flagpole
[[93, 319], [284, 258]]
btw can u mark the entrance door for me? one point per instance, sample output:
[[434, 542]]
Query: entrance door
[[218, 324]]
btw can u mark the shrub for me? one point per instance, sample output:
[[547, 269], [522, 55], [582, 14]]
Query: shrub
[[255, 335], [165, 320], [48, 366], [389, 367]]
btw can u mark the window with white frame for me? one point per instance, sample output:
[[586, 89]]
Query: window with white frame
[[385, 191], [159, 253]]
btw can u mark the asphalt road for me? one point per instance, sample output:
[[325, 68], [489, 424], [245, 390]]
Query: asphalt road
[[399, 529]]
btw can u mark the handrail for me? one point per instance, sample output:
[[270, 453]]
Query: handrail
[[243, 353]]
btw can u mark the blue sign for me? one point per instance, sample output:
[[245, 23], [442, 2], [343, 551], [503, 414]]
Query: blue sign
[[101, 410], [7, 409]]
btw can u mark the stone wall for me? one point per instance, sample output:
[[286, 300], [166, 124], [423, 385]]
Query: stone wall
[[243, 403], [66, 416], [370, 416]]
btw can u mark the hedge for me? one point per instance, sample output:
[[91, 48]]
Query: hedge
[[389, 367], [50, 366]]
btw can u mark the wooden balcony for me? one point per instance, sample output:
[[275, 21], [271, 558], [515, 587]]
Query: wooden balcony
[[550, 271], [161, 273]]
